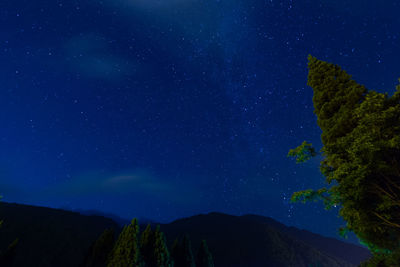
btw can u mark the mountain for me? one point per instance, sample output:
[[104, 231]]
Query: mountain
[[119, 220], [254, 241], [334, 247], [53, 237], [49, 237]]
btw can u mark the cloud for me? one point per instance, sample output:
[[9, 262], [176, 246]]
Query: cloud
[[136, 184], [111, 183], [90, 55], [153, 4]]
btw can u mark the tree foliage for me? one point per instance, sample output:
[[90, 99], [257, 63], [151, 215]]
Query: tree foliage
[[7, 257], [182, 254], [176, 253], [100, 250], [361, 153], [161, 253], [147, 241], [204, 257], [154, 248], [126, 252], [187, 252], [303, 152]]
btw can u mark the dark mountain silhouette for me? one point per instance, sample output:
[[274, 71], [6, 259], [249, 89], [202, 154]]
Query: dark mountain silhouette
[[143, 222], [253, 241], [119, 220], [49, 237], [331, 246], [53, 237]]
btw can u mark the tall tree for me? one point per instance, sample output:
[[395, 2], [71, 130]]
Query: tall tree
[[147, 241], [182, 254], [176, 253], [7, 257], [361, 154], [100, 250], [161, 253], [188, 259], [204, 257], [126, 252]]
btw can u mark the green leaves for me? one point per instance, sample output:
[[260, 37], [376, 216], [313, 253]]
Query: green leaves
[[126, 251], [343, 231], [161, 253], [304, 196], [100, 250], [361, 149], [328, 196], [182, 254], [204, 257], [303, 152]]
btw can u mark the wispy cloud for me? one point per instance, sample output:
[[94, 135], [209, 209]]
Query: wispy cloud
[[138, 184], [155, 4], [90, 55], [113, 183]]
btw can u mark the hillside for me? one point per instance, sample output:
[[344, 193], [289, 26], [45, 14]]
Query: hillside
[[49, 237], [255, 241], [52, 237], [334, 247]]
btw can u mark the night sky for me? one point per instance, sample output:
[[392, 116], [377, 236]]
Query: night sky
[[162, 109]]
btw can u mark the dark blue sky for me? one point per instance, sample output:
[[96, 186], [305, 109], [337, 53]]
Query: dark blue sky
[[164, 109]]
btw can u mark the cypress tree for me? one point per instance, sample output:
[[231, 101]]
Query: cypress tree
[[100, 250], [7, 257], [187, 254], [161, 253], [147, 241], [126, 252], [176, 253], [204, 257]]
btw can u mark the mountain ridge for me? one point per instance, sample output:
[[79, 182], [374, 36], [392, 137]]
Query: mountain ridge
[[55, 237], [257, 234]]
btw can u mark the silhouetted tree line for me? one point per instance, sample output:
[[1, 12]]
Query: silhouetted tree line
[[148, 249]]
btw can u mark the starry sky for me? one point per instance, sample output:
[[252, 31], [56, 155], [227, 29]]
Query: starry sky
[[162, 109]]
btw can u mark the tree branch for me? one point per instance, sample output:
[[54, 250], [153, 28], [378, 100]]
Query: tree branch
[[396, 225]]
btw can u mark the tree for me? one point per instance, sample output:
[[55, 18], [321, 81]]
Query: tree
[[188, 259], [176, 253], [7, 257], [126, 251], [383, 260], [147, 241], [182, 253], [161, 253], [100, 250], [361, 154], [204, 257]]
